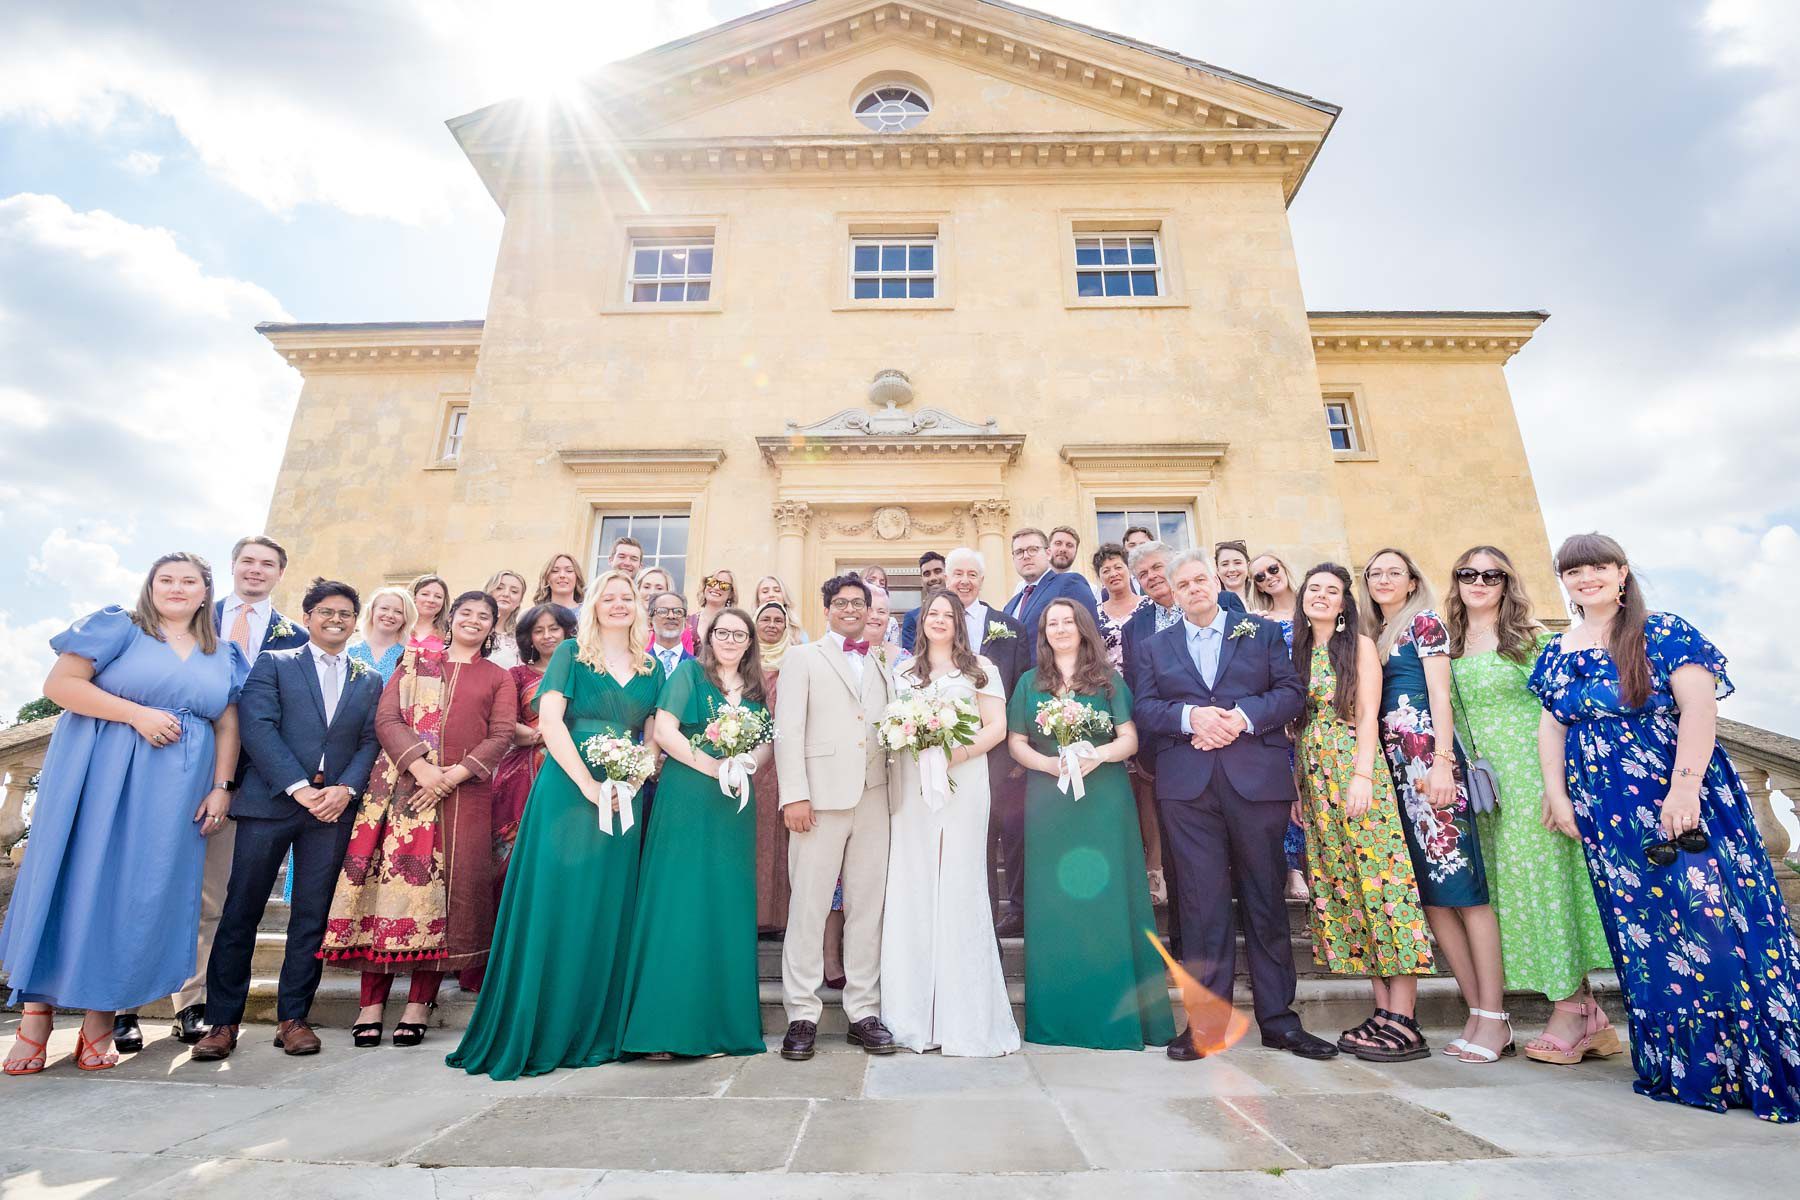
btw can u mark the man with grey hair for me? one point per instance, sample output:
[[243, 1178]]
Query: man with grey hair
[[1001, 639]]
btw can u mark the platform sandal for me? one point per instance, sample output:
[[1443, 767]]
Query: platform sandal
[[1401, 1040], [1347, 1041], [1598, 1040], [366, 1036], [1474, 1052], [408, 1033]]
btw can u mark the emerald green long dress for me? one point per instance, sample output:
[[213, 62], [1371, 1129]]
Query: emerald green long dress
[[555, 989], [690, 978], [1091, 976]]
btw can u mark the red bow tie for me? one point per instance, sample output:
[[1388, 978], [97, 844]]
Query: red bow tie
[[851, 647]]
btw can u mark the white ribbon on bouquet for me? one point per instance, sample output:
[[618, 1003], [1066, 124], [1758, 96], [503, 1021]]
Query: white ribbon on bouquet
[[1069, 766], [616, 791], [734, 777], [934, 777]]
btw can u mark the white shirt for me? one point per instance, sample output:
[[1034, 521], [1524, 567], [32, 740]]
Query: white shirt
[[975, 619], [668, 656], [856, 661], [260, 613], [328, 673]]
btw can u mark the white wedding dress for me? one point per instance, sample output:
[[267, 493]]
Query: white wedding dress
[[941, 983]]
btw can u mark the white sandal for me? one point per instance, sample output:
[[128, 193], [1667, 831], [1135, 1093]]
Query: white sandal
[[1474, 1053]]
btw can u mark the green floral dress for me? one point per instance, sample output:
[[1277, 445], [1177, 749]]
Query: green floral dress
[[1550, 930], [1366, 916]]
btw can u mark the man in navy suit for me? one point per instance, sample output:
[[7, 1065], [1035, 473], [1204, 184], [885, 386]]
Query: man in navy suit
[[931, 577], [1217, 691], [668, 617], [248, 617], [1031, 558], [307, 719], [1002, 640]]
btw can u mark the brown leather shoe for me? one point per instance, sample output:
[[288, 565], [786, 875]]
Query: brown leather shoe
[[218, 1043], [296, 1038]]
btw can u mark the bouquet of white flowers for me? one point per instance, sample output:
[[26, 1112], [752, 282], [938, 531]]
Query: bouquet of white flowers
[[1071, 724], [931, 727], [624, 765], [730, 735]]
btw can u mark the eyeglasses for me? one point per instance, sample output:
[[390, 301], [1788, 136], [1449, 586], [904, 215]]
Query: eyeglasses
[[848, 605], [1393, 574], [1026, 551], [670, 610], [733, 636], [1268, 573], [342, 614], [1470, 575], [1662, 854]]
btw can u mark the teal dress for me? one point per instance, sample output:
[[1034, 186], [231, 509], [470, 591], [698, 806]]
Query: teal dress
[[1092, 978], [555, 989], [690, 978]]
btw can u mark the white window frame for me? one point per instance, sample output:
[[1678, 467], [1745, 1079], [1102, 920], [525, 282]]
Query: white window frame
[[646, 241], [456, 427], [1340, 417], [1159, 225], [1350, 398], [445, 451], [906, 274], [635, 521], [1128, 269], [1133, 516]]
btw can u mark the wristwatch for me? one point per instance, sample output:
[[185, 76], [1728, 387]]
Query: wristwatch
[[226, 785]]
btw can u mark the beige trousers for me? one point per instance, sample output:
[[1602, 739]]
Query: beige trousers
[[851, 843], [212, 903]]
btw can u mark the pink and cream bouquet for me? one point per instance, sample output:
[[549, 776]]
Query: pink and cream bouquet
[[931, 727], [1072, 725], [623, 766], [732, 734]]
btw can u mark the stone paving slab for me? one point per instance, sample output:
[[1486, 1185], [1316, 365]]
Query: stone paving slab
[[1171, 1134], [1329, 1131], [883, 1136]]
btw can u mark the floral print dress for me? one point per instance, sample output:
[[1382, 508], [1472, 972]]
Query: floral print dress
[[1704, 950], [1550, 931], [1446, 852], [1366, 918]]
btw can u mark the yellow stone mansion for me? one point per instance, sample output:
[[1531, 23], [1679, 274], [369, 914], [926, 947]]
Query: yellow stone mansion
[[844, 280]]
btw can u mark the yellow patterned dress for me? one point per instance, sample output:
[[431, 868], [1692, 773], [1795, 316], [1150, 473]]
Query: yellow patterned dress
[[1366, 916]]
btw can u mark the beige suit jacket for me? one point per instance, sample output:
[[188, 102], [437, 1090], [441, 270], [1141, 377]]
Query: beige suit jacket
[[826, 750]]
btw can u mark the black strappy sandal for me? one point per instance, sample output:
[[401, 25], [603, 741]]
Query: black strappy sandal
[[408, 1034], [1351, 1039], [1391, 1046], [366, 1036]]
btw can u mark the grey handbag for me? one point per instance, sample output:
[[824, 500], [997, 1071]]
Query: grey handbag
[[1479, 779]]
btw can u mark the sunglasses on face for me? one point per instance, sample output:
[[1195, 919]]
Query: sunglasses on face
[[1663, 854], [1267, 574], [1471, 575], [714, 582]]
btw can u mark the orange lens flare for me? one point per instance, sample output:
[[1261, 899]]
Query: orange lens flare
[[1216, 1024]]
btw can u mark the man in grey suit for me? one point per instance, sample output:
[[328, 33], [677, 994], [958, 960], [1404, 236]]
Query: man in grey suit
[[834, 801]]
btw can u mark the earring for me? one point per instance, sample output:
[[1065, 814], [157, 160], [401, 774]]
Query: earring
[[1621, 593], [1340, 623]]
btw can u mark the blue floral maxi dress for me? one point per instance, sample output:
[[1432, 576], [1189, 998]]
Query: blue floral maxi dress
[[1446, 852], [1704, 951], [107, 905]]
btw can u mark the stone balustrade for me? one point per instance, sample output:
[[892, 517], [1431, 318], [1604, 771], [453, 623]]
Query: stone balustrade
[[22, 750]]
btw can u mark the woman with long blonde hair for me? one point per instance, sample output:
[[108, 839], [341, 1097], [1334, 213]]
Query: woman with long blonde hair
[[508, 590], [1550, 930], [554, 993], [1418, 737]]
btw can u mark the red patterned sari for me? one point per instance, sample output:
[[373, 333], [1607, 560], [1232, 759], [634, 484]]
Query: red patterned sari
[[416, 890]]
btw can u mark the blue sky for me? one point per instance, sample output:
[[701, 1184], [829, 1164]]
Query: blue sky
[[170, 176]]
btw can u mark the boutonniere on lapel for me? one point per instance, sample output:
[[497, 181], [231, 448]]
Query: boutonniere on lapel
[[996, 632], [1245, 627], [281, 628], [358, 668]]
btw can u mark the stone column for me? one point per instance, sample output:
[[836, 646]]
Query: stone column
[[12, 807], [990, 538], [791, 518], [1762, 807]]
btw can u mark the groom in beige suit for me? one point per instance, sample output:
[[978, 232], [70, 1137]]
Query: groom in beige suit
[[834, 801]]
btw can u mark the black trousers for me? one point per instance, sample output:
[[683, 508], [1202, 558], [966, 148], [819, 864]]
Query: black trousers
[[1006, 836], [262, 845], [1222, 839]]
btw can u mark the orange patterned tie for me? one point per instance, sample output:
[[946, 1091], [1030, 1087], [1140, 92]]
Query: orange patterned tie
[[240, 629]]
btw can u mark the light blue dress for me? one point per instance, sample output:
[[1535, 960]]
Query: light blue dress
[[106, 911], [362, 652]]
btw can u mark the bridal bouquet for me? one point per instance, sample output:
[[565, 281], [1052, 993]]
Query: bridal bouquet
[[931, 727], [733, 731], [1072, 725], [625, 765]]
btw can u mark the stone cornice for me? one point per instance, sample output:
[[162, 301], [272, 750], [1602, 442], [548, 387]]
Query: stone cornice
[[704, 459], [778, 450], [1194, 101], [386, 345], [1144, 456], [1441, 336]]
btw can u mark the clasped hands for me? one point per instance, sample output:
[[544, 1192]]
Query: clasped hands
[[434, 782], [1214, 728], [326, 803]]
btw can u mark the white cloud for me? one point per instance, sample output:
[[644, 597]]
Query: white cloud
[[87, 568], [25, 659], [1762, 38], [141, 163]]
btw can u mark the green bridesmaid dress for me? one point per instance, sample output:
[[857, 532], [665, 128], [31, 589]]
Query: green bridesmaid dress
[[1091, 976], [690, 978], [555, 989]]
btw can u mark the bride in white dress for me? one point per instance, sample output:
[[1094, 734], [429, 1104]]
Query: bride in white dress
[[941, 983]]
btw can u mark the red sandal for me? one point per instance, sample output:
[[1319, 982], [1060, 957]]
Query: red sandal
[[90, 1059], [36, 1062]]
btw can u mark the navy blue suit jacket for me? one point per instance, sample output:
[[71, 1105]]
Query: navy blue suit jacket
[[909, 629], [281, 719], [1256, 673], [1057, 585], [296, 635]]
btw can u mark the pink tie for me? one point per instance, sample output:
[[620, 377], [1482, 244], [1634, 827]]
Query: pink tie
[[240, 629]]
